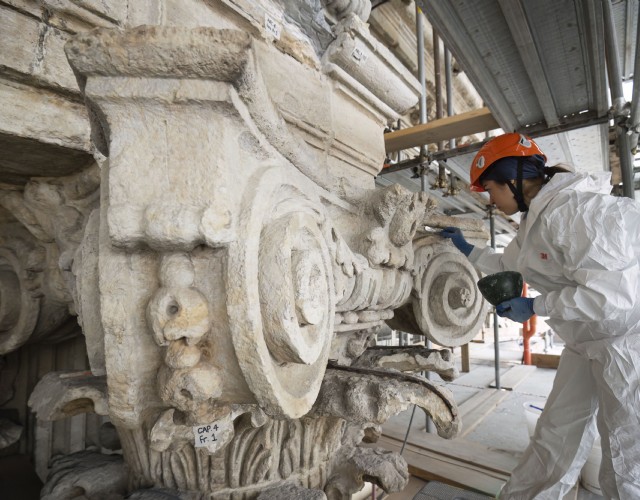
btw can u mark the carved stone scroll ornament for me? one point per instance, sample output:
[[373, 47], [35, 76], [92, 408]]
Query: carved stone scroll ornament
[[445, 305], [376, 277]]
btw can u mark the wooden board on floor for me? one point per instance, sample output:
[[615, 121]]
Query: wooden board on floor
[[473, 411], [515, 376], [457, 449], [435, 467], [545, 360]]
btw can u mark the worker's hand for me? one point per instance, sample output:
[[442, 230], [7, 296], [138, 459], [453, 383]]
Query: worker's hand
[[456, 237], [519, 309]]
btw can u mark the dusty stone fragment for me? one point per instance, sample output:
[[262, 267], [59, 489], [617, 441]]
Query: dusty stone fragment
[[368, 396], [351, 469], [410, 359], [289, 491], [163, 494], [108, 436], [86, 474], [64, 394], [9, 433]]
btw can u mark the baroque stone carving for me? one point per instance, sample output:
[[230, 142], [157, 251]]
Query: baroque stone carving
[[229, 275]]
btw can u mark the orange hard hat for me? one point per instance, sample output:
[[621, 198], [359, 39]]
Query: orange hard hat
[[497, 148]]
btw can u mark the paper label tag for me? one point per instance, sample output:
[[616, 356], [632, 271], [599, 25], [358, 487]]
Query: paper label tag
[[206, 434], [272, 26], [214, 436], [359, 54]]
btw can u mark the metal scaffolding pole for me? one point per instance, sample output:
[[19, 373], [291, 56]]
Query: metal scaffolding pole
[[496, 335], [634, 117], [423, 119], [617, 99]]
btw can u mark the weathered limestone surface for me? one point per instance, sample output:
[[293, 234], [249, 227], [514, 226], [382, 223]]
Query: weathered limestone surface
[[198, 196], [9, 433], [86, 474]]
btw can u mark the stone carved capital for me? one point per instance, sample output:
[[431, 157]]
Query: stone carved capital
[[227, 277]]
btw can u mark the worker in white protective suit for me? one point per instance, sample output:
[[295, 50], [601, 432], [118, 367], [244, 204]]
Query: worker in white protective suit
[[580, 248]]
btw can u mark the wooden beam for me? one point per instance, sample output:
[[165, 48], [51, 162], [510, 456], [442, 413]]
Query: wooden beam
[[472, 122], [460, 450], [545, 360]]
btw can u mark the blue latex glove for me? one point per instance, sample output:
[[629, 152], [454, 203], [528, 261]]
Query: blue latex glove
[[456, 237], [519, 309]]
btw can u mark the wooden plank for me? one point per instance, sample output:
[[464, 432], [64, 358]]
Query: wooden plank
[[432, 467], [474, 401], [451, 127], [514, 377], [466, 364], [545, 360], [471, 417], [458, 449]]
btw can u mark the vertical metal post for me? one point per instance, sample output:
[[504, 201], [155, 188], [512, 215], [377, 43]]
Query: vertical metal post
[[449, 89], [421, 66], [437, 80], [617, 99], [423, 119], [496, 335], [449, 96], [634, 117]]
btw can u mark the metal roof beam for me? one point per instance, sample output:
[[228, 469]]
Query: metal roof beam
[[516, 18], [455, 35], [590, 23]]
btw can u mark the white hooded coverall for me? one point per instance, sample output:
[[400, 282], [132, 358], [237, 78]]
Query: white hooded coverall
[[580, 248]]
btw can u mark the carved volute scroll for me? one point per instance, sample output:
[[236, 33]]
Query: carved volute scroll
[[445, 304], [288, 316]]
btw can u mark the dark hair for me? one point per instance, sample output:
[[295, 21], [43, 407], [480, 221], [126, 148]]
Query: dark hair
[[549, 172]]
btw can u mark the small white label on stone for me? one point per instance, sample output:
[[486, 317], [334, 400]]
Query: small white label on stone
[[359, 54], [206, 435], [272, 26]]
